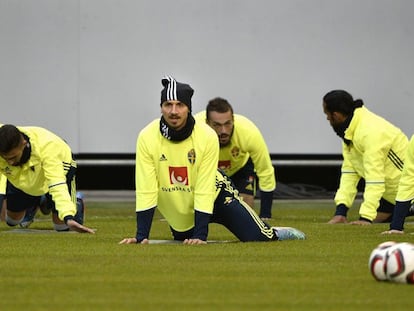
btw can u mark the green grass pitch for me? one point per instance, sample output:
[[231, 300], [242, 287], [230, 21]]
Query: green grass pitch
[[71, 271]]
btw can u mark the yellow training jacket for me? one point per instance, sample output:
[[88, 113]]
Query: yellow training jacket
[[246, 142], [45, 172], [3, 182], [406, 186], [376, 153], [177, 177]]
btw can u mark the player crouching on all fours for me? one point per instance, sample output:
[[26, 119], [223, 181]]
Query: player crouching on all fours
[[46, 206], [176, 172], [37, 170]]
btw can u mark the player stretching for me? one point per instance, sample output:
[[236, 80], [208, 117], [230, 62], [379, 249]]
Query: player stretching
[[38, 163], [244, 156], [176, 171]]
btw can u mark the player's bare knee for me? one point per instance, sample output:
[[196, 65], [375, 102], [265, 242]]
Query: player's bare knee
[[13, 222], [60, 227]]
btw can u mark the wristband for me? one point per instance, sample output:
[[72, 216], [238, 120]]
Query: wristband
[[341, 210], [69, 217], [266, 201]]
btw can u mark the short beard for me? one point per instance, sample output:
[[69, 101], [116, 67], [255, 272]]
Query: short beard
[[224, 144], [341, 128], [229, 141]]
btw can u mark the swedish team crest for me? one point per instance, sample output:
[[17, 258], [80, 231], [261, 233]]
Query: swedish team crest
[[235, 152], [7, 170], [191, 156]]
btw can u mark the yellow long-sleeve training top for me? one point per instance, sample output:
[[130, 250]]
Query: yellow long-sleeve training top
[[406, 186], [376, 153], [246, 142], [45, 171], [177, 177]]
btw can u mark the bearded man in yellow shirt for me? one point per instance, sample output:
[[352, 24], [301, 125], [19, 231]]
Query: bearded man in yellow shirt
[[244, 155], [372, 149], [38, 163]]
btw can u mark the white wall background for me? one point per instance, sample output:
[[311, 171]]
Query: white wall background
[[90, 70]]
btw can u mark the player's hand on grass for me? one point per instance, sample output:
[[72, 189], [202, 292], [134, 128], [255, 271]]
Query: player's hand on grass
[[194, 241], [338, 219], [393, 231], [133, 241], [75, 226]]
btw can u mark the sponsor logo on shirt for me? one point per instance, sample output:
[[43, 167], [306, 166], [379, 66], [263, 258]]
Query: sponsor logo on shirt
[[178, 175], [224, 165]]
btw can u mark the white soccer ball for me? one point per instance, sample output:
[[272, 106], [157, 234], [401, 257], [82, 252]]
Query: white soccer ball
[[399, 266], [377, 260]]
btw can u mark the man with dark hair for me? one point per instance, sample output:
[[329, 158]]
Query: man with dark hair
[[37, 163], [372, 149], [176, 172], [244, 155]]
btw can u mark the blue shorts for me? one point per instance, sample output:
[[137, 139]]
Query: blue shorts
[[1, 200], [234, 214], [245, 179], [238, 217], [19, 201], [385, 206]]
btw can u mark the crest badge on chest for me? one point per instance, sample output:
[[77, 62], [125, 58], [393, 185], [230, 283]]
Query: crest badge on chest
[[191, 156], [235, 152]]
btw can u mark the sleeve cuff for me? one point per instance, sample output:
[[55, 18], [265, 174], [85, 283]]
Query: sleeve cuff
[[69, 217], [266, 201], [201, 225], [341, 210], [144, 221]]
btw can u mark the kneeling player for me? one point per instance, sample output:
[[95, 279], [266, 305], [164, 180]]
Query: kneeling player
[[229, 210]]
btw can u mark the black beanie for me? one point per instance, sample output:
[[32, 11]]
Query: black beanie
[[174, 90]]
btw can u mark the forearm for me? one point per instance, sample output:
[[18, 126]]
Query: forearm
[[372, 196], [65, 207], [347, 189], [144, 221], [266, 201], [201, 221], [400, 212]]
